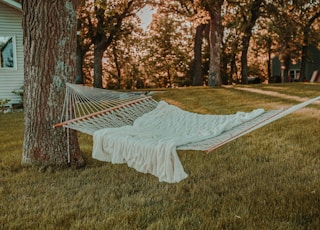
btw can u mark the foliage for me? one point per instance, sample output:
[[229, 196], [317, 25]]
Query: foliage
[[256, 30], [3, 102], [268, 179], [103, 22], [19, 92], [167, 55], [122, 59], [293, 22]]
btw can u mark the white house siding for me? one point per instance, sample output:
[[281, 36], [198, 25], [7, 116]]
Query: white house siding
[[11, 78]]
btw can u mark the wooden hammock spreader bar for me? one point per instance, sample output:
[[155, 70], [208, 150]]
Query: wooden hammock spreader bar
[[101, 112]]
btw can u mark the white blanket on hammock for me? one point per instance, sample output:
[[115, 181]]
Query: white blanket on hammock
[[149, 145]]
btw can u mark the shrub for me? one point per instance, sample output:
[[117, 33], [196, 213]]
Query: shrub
[[3, 103], [19, 92]]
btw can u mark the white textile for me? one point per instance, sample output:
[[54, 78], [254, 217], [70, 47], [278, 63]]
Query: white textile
[[149, 145]]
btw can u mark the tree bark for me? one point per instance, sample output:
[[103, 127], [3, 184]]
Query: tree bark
[[116, 62], [215, 40], [303, 62], [285, 65], [99, 48], [244, 58], [197, 66], [49, 47], [234, 71], [269, 48], [253, 17], [79, 64]]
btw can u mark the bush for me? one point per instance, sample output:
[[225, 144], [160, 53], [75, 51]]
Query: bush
[[19, 92], [3, 103]]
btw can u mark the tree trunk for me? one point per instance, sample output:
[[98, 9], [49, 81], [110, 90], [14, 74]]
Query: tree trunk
[[286, 70], [244, 58], [197, 66], [306, 31], [269, 48], [79, 64], [97, 64], [215, 45], [50, 48], [303, 63], [234, 71], [250, 19], [116, 62], [101, 41], [168, 77], [285, 65]]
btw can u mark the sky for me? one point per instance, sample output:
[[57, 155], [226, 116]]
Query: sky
[[146, 16]]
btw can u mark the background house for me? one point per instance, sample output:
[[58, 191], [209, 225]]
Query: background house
[[312, 65], [11, 50]]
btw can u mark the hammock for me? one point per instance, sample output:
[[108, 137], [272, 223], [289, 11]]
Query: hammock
[[135, 129]]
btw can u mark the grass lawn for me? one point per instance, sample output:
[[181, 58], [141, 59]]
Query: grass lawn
[[268, 179]]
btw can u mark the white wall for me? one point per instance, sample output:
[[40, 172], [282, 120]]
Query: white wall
[[11, 78]]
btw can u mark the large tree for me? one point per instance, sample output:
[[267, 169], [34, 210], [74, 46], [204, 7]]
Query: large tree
[[247, 13], [207, 12], [197, 49], [49, 62], [83, 40], [214, 8], [199, 19], [105, 21], [250, 15]]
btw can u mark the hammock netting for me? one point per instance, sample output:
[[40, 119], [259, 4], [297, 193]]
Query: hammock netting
[[88, 109], [135, 129]]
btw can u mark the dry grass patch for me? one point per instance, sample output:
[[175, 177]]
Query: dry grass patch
[[268, 179]]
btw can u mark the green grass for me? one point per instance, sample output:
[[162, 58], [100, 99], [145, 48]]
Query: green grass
[[268, 179], [301, 89]]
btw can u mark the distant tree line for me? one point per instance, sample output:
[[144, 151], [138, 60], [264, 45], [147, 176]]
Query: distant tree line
[[189, 42]]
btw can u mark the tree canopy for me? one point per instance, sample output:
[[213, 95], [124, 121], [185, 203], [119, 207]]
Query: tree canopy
[[227, 41]]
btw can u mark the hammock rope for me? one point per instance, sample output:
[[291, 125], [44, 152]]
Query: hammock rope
[[243, 129], [88, 109], [135, 129]]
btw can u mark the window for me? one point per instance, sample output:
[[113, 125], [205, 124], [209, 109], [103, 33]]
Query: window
[[294, 74], [7, 52]]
